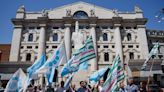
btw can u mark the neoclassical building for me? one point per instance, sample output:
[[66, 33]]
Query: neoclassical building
[[114, 32]]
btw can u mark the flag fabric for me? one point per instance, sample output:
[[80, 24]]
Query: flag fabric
[[80, 58], [154, 51], [115, 75], [96, 76], [38, 63], [58, 58], [68, 81], [17, 82]]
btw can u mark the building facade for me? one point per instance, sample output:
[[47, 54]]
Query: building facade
[[113, 32]]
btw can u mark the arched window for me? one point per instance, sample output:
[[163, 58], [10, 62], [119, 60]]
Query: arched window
[[129, 37], [106, 57], [80, 15], [105, 37], [55, 37], [30, 37], [131, 55], [28, 57]]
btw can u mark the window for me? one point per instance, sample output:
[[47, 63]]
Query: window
[[105, 46], [129, 37], [130, 46], [22, 47], [137, 46], [123, 46], [55, 37], [105, 37], [36, 47], [131, 55], [98, 46], [106, 57], [29, 47], [112, 46], [0, 55], [28, 57], [54, 47], [80, 15], [55, 27], [30, 37], [138, 56]]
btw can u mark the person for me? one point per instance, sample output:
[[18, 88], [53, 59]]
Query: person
[[35, 89], [82, 88], [29, 88], [131, 87], [88, 87], [72, 88], [122, 87], [61, 88], [142, 87], [95, 88], [101, 82], [49, 89]]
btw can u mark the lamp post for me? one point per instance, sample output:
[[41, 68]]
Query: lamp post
[[160, 15]]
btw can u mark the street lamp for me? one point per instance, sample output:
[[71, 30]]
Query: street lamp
[[160, 15]]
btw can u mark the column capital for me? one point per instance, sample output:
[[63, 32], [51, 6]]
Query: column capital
[[92, 25], [67, 25]]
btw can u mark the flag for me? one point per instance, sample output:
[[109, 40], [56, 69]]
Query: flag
[[96, 76], [38, 63], [68, 68], [68, 81], [17, 82], [58, 58], [154, 51], [115, 75], [81, 56]]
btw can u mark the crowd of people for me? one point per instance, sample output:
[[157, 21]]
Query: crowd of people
[[86, 87]]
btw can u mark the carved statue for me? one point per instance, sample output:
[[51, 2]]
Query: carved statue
[[115, 13], [68, 12], [92, 13], [77, 37], [45, 13], [137, 9], [21, 8]]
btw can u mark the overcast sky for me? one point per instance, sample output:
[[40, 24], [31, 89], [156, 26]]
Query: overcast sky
[[8, 10]]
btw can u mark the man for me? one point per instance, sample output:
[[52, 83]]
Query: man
[[131, 87], [82, 88], [61, 88], [122, 87]]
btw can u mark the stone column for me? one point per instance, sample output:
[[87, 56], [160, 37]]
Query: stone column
[[143, 41], [42, 41], [42, 47], [67, 40], [16, 43], [93, 34], [118, 41]]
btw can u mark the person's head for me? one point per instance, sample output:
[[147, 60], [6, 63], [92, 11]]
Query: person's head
[[73, 86], [62, 83], [35, 88], [130, 81], [122, 84], [101, 82], [82, 83]]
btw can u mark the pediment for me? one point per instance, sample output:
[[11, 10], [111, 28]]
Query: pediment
[[61, 12]]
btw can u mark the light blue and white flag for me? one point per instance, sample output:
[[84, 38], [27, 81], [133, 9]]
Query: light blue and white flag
[[38, 63], [96, 76], [58, 58], [154, 51], [68, 81], [17, 83]]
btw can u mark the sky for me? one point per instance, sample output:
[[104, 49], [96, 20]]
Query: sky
[[8, 10]]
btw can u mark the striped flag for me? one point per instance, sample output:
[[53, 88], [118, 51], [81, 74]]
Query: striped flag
[[81, 56], [115, 75], [58, 58], [154, 51], [17, 83], [68, 81]]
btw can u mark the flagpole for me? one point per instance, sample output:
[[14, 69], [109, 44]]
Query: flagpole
[[150, 73]]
